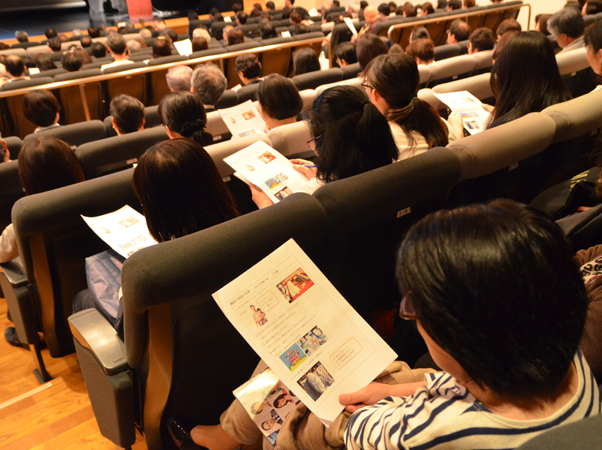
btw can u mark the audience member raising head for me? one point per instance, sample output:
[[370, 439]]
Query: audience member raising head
[[525, 78], [346, 54], [279, 101], [235, 36], [209, 83], [368, 48], [426, 9], [422, 50], [458, 31], [305, 60], [118, 49], [508, 25], [178, 78], [50, 33], [419, 33], [71, 62], [199, 44], [181, 190], [183, 115], [248, 68], [127, 114], [481, 39], [41, 108], [392, 83]]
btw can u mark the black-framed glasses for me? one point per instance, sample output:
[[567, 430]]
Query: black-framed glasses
[[406, 308], [366, 85], [308, 143]]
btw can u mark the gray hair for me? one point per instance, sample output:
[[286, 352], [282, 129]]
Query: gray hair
[[178, 78], [21, 36], [201, 32], [566, 21], [209, 83], [145, 33], [133, 46]]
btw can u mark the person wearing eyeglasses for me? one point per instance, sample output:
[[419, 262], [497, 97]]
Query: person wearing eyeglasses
[[498, 298], [349, 136]]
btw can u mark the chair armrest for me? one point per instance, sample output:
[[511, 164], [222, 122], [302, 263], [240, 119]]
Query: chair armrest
[[14, 273], [93, 331]]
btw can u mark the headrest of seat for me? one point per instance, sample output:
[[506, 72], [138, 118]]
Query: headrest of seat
[[290, 139], [224, 149], [576, 117], [479, 86], [572, 61]]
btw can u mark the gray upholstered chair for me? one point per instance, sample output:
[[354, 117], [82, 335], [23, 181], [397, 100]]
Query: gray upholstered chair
[[290, 140], [76, 133], [451, 69], [357, 82], [312, 80], [217, 128], [477, 85], [180, 354]]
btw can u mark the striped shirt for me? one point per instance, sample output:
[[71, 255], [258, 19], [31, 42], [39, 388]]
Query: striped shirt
[[445, 415]]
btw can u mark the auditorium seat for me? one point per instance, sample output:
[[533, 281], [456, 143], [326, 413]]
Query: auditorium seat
[[165, 60], [134, 84], [67, 76], [34, 51], [312, 80], [351, 71], [357, 82], [124, 67], [11, 190], [483, 62], [54, 242], [503, 161], [118, 152], [20, 84], [451, 69], [290, 140], [425, 74], [276, 61], [274, 41], [446, 51], [216, 127], [13, 51], [367, 216], [307, 96], [140, 56], [228, 99], [478, 85], [48, 73], [248, 92], [76, 133], [209, 52], [173, 327], [576, 72], [14, 144], [249, 30]]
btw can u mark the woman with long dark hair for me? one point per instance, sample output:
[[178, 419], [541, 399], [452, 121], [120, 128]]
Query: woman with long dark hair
[[183, 115], [525, 78], [392, 83]]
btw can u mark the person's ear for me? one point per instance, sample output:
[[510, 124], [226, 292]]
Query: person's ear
[[142, 125], [170, 133]]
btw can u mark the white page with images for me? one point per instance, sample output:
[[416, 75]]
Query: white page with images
[[304, 330], [267, 169], [124, 230], [243, 120], [183, 47], [474, 117]]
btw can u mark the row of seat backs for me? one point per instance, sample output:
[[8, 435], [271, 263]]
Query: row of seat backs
[[489, 17]]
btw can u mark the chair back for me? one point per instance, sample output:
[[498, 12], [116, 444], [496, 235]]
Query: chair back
[[117, 153], [290, 140], [451, 69], [53, 242], [11, 190], [447, 51], [478, 85], [173, 327], [312, 80], [357, 82], [77, 133]]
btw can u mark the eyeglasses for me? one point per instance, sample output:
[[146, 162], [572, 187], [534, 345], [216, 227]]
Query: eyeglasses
[[312, 140], [406, 309], [366, 85]]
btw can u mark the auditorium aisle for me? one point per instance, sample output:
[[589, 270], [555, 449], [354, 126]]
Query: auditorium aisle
[[55, 415]]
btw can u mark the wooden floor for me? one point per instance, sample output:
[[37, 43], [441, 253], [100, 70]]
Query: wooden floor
[[55, 415]]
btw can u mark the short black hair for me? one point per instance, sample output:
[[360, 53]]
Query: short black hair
[[368, 48], [454, 4], [336, 3], [593, 7], [383, 8], [236, 7], [268, 31], [116, 43], [509, 25], [94, 32], [279, 97], [99, 50], [249, 65], [55, 45], [213, 11], [21, 36], [270, 5], [482, 39], [420, 33], [423, 49], [305, 60], [40, 107], [346, 52], [242, 17], [567, 21], [161, 47], [235, 36], [487, 280], [193, 15], [86, 41], [50, 33], [44, 62], [128, 113], [14, 65], [71, 61], [460, 29]]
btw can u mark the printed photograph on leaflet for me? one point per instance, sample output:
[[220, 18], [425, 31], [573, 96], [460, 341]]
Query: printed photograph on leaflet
[[313, 340], [263, 166], [474, 117], [268, 401], [243, 120]]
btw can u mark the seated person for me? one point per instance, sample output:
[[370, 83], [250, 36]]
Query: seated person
[[209, 83], [473, 327], [489, 395], [305, 60], [15, 67], [55, 45], [419, 33], [71, 62], [481, 39], [201, 32], [199, 43], [349, 136], [267, 31], [161, 47], [127, 114], [248, 68], [422, 50], [392, 83], [368, 48], [44, 62], [118, 49], [279, 100], [508, 25], [346, 54], [525, 78], [300, 28], [459, 31], [426, 9], [99, 50], [183, 115], [235, 36], [45, 163], [41, 108], [178, 78]]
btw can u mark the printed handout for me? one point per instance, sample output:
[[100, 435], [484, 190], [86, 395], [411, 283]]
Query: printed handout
[[470, 108], [243, 120], [350, 25], [183, 47], [263, 166], [124, 230], [304, 330], [268, 401]]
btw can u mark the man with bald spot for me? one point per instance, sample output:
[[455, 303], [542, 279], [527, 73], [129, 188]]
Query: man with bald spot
[[372, 19]]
